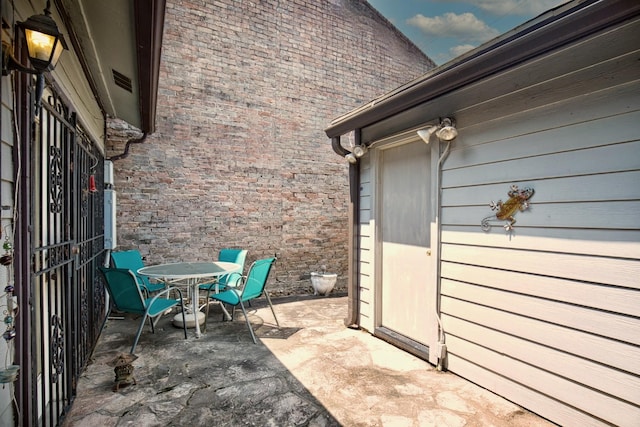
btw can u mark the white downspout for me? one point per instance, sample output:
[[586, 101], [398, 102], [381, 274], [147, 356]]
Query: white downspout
[[425, 134], [441, 347]]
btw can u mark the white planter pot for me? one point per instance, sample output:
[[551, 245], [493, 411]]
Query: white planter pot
[[323, 283]]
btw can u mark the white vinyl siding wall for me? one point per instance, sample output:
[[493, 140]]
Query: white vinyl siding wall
[[7, 191], [366, 239], [549, 315]]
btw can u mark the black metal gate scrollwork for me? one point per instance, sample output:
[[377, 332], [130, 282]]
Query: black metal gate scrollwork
[[55, 179], [57, 349], [67, 245]]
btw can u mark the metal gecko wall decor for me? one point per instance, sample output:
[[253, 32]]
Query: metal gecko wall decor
[[518, 201]]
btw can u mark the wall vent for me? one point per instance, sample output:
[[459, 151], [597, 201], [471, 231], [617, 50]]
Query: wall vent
[[123, 81]]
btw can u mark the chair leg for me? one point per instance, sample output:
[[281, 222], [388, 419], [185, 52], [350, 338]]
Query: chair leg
[[135, 341], [206, 309], [272, 310], [184, 319], [225, 313], [246, 318], [203, 328]]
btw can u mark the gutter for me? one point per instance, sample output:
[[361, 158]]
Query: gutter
[[125, 153], [337, 147], [551, 30], [149, 23]]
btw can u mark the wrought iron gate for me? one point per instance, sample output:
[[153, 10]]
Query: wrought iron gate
[[66, 228]]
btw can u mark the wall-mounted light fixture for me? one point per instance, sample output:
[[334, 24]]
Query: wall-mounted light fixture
[[44, 45], [359, 150], [425, 134], [351, 158], [445, 131]]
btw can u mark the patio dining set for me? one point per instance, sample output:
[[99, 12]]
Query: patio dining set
[[151, 291]]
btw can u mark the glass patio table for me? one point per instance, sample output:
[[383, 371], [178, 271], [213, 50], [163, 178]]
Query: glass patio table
[[191, 275]]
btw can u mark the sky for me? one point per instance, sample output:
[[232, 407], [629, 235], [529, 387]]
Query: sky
[[444, 29]]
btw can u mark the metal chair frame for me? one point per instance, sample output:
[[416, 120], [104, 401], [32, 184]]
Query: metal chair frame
[[127, 297], [252, 286]]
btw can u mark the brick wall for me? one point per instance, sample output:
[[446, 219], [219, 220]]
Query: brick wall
[[239, 158]]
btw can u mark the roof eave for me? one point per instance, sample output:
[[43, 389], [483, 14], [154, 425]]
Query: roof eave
[[553, 29]]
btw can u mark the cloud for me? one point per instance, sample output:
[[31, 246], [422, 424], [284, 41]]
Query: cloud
[[515, 7], [451, 53], [460, 49], [465, 27]]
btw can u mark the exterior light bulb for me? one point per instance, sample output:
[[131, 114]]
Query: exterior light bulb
[[359, 150], [447, 131], [351, 158], [40, 44]]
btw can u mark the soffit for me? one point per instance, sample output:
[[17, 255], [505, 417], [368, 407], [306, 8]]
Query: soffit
[[119, 44]]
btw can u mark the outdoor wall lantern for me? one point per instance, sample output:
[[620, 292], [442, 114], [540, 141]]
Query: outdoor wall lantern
[[44, 45], [445, 131]]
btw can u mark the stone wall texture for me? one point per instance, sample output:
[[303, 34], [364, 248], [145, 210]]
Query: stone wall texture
[[239, 157]]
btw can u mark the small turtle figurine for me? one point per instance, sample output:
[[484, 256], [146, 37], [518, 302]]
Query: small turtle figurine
[[124, 370]]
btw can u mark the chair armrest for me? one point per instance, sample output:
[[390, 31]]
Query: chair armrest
[[166, 291], [235, 280]]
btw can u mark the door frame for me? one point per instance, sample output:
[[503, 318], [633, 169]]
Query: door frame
[[418, 349]]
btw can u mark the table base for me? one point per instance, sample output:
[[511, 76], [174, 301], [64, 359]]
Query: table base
[[177, 319]]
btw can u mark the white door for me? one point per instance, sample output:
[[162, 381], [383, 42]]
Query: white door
[[407, 287]]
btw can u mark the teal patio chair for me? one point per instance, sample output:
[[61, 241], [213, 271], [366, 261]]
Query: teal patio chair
[[236, 256], [251, 287], [132, 260], [127, 297]]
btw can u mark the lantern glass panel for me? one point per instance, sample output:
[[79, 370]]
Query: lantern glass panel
[[40, 45]]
